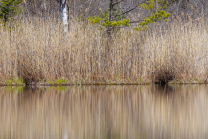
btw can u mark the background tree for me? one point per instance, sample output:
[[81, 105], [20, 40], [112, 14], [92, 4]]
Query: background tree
[[114, 17], [64, 16], [8, 10], [79, 8]]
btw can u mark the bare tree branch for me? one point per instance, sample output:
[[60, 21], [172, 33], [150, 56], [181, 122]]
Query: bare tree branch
[[117, 2], [65, 2], [58, 1], [129, 10], [61, 2], [132, 22], [121, 27]]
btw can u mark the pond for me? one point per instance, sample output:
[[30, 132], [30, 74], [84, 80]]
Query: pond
[[104, 112]]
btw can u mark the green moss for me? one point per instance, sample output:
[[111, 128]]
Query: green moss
[[200, 82], [9, 82], [61, 81], [14, 81], [19, 81]]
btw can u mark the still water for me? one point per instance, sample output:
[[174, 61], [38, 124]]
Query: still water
[[104, 112]]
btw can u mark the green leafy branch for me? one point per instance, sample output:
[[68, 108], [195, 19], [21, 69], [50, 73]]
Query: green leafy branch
[[117, 19], [104, 20], [107, 23], [159, 15]]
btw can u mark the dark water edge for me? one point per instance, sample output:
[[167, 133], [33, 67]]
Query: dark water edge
[[104, 112]]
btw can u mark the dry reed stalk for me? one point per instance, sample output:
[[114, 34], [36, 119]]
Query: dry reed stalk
[[38, 50]]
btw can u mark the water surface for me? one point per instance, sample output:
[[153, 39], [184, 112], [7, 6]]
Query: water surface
[[104, 112]]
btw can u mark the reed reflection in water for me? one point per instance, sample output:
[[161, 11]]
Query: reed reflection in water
[[104, 112]]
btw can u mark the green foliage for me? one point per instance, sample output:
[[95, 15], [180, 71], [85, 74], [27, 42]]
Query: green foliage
[[58, 81], [159, 15], [14, 81], [118, 18], [95, 20], [19, 81], [124, 22], [61, 81], [8, 10], [103, 19]]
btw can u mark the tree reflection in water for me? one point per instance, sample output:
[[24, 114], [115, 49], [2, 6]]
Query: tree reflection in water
[[101, 112]]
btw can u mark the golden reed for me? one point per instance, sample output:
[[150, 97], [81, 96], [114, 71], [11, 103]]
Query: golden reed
[[37, 50]]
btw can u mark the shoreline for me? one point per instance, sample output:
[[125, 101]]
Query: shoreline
[[101, 84]]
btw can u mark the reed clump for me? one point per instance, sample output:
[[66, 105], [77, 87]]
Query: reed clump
[[38, 50]]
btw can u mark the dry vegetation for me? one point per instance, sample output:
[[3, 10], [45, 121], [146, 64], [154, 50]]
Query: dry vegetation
[[38, 51]]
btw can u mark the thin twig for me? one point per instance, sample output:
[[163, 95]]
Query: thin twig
[[128, 10], [135, 21], [117, 2]]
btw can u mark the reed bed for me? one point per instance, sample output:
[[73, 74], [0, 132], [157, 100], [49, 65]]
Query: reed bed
[[38, 51]]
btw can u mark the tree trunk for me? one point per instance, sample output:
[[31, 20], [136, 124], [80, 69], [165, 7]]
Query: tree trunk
[[109, 39], [64, 15], [44, 5]]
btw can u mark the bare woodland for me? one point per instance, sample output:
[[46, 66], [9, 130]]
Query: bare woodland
[[79, 8]]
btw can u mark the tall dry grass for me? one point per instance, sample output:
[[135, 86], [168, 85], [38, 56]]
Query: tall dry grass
[[38, 50]]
